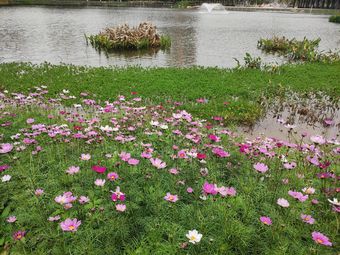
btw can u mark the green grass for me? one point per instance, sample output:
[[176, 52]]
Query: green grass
[[243, 89], [151, 225]]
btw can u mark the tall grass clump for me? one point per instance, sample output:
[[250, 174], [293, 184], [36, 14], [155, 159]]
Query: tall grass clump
[[144, 36], [334, 19]]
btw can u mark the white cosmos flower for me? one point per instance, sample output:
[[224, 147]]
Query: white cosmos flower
[[194, 236], [334, 202], [6, 178]]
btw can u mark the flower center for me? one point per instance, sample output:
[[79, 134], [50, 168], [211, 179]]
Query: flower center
[[71, 227], [319, 240], [19, 236], [192, 238]]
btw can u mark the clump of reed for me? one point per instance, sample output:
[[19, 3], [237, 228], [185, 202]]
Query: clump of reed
[[144, 36]]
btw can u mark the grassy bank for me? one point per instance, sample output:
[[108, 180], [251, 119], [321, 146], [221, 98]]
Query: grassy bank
[[235, 95], [90, 163]]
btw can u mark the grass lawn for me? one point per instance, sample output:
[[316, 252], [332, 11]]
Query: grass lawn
[[233, 94], [107, 161]]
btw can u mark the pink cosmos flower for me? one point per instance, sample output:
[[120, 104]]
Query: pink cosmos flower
[[308, 190], [260, 167], [66, 198], [307, 218], [133, 161], [70, 225], [320, 238], [112, 176], [72, 170], [99, 169], [220, 152], [182, 154], [83, 200], [173, 171], [214, 138], [120, 207], [190, 190], [290, 165], [118, 195], [38, 192], [171, 198], [227, 191], [283, 202], [17, 236], [318, 139], [11, 219], [99, 182], [30, 121], [156, 162], [124, 156], [55, 218], [266, 220], [315, 201], [85, 157], [146, 154], [298, 195], [5, 148], [210, 188]]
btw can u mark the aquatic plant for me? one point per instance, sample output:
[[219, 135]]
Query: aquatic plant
[[144, 36], [297, 50], [334, 19]]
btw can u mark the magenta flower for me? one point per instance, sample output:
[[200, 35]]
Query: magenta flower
[[307, 219], [120, 207], [112, 176], [210, 188], [99, 169], [220, 152], [4, 167], [5, 148], [133, 161], [282, 202], [117, 195], [320, 238], [70, 225], [17, 236], [260, 167], [156, 162], [266, 220], [171, 198]]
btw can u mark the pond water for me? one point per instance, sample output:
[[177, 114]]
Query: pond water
[[38, 34]]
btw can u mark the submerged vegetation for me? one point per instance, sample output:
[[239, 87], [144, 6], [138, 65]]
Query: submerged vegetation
[[144, 36], [297, 50], [334, 18]]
